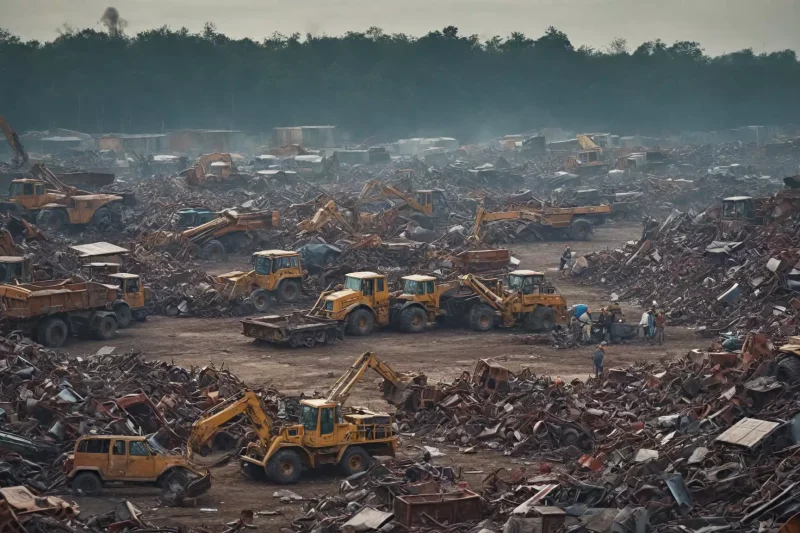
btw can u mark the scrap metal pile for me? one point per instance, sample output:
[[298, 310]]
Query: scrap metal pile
[[708, 441], [744, 282]]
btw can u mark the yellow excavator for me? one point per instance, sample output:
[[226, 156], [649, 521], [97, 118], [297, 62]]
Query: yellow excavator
[[364, 222], [20, 155], [426, 207], [576, 223], [588, 158]]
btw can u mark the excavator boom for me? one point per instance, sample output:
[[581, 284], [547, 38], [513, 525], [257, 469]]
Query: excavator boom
[[341, 389], [20, 155], [247, 403]]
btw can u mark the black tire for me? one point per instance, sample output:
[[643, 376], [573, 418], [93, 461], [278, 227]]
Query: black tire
[[355, 460], [260, 300], [788, 369], [102, 218], [176, 476], [253, 471], [52, 219], [289, 290], [330, 336], [106, 328], [53, 332], [541, 320], [424, 221], [360, 323], [284, 467], [580, 230], [213, 251], [309, 340], [481, 317], [87, 484], [413, 320], [124, 315]]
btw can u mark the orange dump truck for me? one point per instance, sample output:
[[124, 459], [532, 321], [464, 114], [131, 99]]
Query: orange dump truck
[[51, 311]]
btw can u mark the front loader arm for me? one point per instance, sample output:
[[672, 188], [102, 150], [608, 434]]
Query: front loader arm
[[246, 403]]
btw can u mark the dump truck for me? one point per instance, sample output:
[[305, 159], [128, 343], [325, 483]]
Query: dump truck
[[49, 311], [276, 274], [293, 330], [214, 169], [325, 436], [230, 231], [364, 302], [191, 217], [132, 295], [576, 223], [53, 204], [97, 460], [588, 159]]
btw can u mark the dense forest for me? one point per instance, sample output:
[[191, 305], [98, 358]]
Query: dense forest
[[372, 83]]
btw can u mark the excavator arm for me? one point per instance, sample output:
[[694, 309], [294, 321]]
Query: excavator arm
[[497, 302], [482, 217], [325, 214], [376, 190], [20, 155], [246, 403], [395, 384]]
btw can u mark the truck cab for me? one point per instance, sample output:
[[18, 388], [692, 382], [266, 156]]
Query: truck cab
[[130, 290], [273, 266], [434, 203], [193, 217], [29, 194], [738, 208], [15, 269], [536, 291]]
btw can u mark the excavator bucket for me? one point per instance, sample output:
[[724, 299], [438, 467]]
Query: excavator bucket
[[411, 393], [198, 486]]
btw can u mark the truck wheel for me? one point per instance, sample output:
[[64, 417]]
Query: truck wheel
[[481, 317], [542, 319], [355, 460], [788, 369], [87, 484], [330, 336], [580, 230], [102, 218], [260, 300], [289, 290], [413, 320], [213, 251], [53, 332], [106, 328], [284, 467], [360, 323], [124, 315], [52, 219]]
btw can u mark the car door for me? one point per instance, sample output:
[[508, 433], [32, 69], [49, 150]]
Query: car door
[[141, 464], [118, 459]]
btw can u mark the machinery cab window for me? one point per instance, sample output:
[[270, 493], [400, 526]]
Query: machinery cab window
[[326, 420], [738, 208], [367, 286], [308, 417], [263, 265], [409, 286], [21, 189], [354, 284], [39, 189], [131, 286], [381, 284]]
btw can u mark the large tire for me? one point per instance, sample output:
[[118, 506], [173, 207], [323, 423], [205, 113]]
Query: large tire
[[87, 484], [106, 328], [102, 218], [541, 320], [124, 315], [52, 219], [788, 369], [260, 299], [284, 467], [289, 290], [176, 476], [53, 332], [213, 251], [580, 230], [481, 317], [360, 323], [413, 320], [355, 460]]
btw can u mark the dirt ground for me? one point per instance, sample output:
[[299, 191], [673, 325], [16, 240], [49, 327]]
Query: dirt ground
[[442, 355]]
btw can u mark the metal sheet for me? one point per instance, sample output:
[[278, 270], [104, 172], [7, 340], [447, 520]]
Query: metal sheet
[[748, 432]]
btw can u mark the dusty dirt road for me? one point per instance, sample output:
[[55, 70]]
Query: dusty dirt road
[[442, 354]]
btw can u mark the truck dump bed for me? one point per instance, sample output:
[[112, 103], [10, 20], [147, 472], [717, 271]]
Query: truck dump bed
[[58, 296], [294, 330]]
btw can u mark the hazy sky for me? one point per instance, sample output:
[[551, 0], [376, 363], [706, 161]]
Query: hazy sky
[[719, 25]]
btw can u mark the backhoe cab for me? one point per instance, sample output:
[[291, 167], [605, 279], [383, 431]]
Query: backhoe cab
[[15, 269], [276, 273], [324, 436]]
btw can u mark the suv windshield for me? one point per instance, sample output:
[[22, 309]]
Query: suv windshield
[[352, 283]]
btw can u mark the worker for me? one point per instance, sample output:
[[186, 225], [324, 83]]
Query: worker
[[597, 359], [660, 321], [644, 324], [604, 321], [651, 323], [615, 311], [566, 259], [579, 309], [586, 325]]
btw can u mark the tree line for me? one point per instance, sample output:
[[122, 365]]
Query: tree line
[[379, 85]]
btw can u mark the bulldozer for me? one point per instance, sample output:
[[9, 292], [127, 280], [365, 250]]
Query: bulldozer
[[576, 223], [588, 159], [53, 204], [213, 169], [276, 273], [365, 302]]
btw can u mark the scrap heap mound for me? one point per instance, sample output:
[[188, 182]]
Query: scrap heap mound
[[708, 441], [745, 282]]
